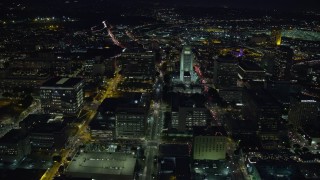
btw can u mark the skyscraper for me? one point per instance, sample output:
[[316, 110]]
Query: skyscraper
[[265, 112], [225, 79], [138, 65], [303, 112], [282, 62], [225, 73], [186, 64], [259, 106]]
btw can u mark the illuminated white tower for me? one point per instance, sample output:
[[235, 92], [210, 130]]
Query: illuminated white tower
[[186, 64]]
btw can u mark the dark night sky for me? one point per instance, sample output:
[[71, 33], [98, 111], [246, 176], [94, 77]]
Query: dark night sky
[[286, 5], [259, 4]]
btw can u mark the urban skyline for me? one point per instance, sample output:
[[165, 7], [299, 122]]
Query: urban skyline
[[167, 90]]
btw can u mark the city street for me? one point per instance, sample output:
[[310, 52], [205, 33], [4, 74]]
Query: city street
[[154, 140], [82, 133]]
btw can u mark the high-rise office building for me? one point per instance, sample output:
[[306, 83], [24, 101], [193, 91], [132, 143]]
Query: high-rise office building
[[102, 126], [138, 65], [62, 96], [192, 116], [225, 79], [279, 62], [138, 71], [186, 65], [185, 79], [262, 109], [189, 111], [303, 112], [131, 122], [249, 71], [121, 117], [174, 162], [225, 73]]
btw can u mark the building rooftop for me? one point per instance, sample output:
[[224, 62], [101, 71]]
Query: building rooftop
[[174, 167], [132, 110], [44, 123], [248, 142], [13, 136], [173, 150], [25, 174], [245, 126], [62, 82], [279, 170], [49, 127], [249, 66], [262, 98], [96, 164], [304, 98], [182, 100], [129, 100], [227, 59], [209, 131], [103, 122], [39, 118]]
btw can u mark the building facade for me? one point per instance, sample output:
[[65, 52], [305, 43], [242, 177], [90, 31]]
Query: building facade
[[62, 96], [14, 146], [190, 117], [131, 122], [303, 112], [187, 74]]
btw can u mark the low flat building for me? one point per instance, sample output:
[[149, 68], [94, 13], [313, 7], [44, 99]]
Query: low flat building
[[46, 132], [174, 162], [102, 166], [210, 144]]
